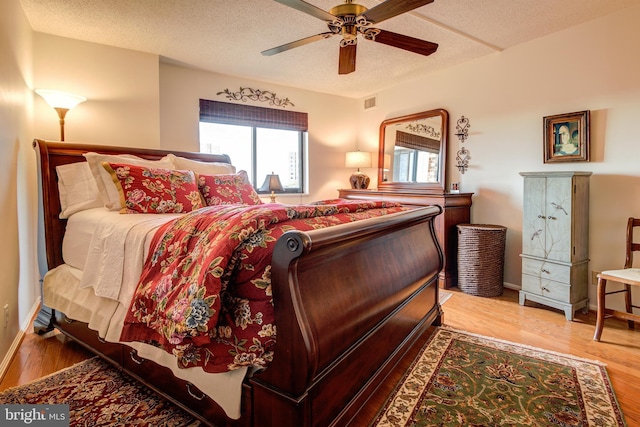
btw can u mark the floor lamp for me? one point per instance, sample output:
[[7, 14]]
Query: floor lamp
[[61, 102]]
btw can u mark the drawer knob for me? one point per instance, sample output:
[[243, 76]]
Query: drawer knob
[[545, 271], [545, 289], [551, 217]]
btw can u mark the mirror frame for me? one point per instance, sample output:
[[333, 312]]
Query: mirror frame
[[432, 187]]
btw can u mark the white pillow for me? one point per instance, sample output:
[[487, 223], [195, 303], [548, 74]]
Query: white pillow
[[204, 168], [106, 187], [77, 188]]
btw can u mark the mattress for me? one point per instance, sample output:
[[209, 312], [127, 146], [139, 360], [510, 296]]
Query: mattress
[[104, 252], [78, 233]]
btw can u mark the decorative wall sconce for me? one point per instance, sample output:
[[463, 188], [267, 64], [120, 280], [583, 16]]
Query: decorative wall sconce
[[462, 128], [61, 102], [463, 155], [462, 158]]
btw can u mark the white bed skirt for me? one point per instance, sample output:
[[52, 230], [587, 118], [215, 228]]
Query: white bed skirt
[[106, 316]]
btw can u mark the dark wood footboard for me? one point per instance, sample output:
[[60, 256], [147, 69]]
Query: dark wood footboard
[[350, 301]]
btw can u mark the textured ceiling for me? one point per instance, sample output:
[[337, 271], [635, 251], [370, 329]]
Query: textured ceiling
[[227, 36]]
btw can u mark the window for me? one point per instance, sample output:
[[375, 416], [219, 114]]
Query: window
[[415, 158], [258, 140]]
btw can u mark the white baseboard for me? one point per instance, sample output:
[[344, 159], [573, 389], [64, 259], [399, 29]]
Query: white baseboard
[[512, 286], [18, 339]]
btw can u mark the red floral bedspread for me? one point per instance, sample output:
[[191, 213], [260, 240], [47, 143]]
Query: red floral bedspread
[[205, 291]]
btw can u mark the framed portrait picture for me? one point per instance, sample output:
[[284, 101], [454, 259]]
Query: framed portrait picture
[[566, 137]]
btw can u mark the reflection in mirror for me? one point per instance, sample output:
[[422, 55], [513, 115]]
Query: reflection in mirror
[[413, 151], [416, 151]]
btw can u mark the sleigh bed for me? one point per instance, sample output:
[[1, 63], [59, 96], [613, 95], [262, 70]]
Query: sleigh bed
[[349, 301]]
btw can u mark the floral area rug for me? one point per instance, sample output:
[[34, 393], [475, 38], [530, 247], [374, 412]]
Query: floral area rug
[[100, 395], [462, 379]]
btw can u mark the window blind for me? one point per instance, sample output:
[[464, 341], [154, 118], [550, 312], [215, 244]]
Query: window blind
[[250, 115], [417, 142]]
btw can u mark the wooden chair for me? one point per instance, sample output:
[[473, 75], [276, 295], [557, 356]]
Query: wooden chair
[[628, 276]]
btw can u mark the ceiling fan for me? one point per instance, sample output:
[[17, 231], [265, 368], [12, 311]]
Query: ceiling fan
[[349, 19]]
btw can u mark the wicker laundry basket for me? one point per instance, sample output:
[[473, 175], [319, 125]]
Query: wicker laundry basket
[[481, 259]]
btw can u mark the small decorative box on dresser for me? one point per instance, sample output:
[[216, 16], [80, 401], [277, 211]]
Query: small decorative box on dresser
[[456, 210], [555, 240]]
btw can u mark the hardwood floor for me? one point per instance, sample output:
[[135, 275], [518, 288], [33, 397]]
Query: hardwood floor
[[499, 317], [38, 357]]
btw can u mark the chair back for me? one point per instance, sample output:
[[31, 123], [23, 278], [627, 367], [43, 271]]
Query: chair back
[[632, 245]]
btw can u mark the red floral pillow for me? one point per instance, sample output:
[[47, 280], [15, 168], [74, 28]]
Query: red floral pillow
[[227, 189], [145, 189]]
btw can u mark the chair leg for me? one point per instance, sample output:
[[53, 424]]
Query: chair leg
[[627, 303], [602, 287]]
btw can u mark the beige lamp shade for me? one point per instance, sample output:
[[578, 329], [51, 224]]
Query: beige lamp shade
[[57, 99], [387, 162], [61, 102], [358, 159]]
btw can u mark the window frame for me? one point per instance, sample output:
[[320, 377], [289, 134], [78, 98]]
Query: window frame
[[301, 160], [255, 117]]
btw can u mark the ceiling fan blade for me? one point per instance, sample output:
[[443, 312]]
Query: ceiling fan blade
[[403, 42], [296, 43], [347, 62], [309, 9], [391, 8]]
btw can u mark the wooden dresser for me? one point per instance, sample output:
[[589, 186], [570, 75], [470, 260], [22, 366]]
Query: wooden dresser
[[456, 210]]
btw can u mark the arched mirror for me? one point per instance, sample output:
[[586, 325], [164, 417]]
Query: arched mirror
[[413, 151]]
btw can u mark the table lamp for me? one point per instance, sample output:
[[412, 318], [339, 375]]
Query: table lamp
[[272, 183], [358, 159]]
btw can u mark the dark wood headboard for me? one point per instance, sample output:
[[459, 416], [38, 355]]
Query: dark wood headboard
[[52, 154]]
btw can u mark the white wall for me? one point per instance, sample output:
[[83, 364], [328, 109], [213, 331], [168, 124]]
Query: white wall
[[123, 109], [506, 95], [332, 128], [18, 270], [121, 87]]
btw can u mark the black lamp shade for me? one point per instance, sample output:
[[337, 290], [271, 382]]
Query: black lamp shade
[[272, 183]]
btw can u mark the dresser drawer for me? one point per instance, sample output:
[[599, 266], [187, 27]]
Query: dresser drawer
[[546, 270], [546, 288]]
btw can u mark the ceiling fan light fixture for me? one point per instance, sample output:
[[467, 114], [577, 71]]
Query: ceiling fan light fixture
[[349, 32]]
